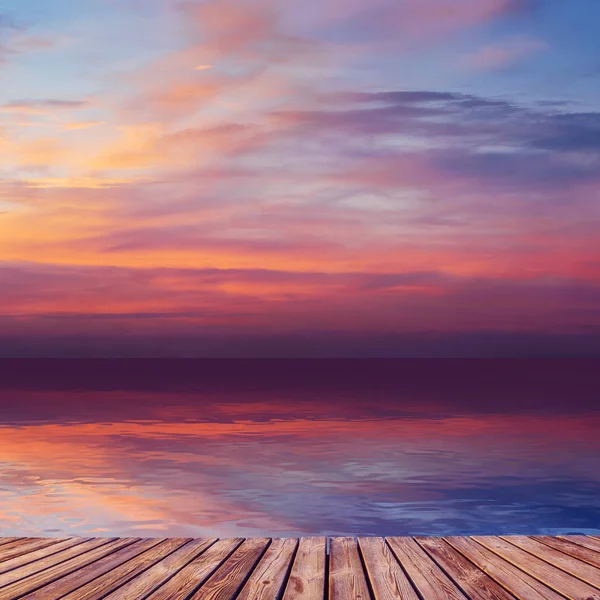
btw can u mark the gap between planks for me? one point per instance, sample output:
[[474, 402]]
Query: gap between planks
[[363, 568]]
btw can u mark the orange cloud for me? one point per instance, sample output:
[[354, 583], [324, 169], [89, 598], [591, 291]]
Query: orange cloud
[[270, 163], [41, 152], [42, 107], [81, 125], [74, 182], [21, 109]]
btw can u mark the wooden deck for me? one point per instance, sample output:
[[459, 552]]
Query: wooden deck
[[453, 568]]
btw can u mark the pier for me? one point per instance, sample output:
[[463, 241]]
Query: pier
[[318, 568]]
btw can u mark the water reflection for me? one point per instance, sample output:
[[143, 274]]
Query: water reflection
[[296, 448]]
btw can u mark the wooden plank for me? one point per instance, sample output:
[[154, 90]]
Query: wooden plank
[[47, 561], [548, 574], [193, 575], [107, 583], [157, 574], [24, 546], [307, 578], [453, 568], [427, 577], [225, 583], [583, 540], [269, 576], [65, 585], [472, 581], [388, 580], [11, 542], [347, 579], [557, 558], [519, 583], [24, 559], [32, 582], [580, 552]]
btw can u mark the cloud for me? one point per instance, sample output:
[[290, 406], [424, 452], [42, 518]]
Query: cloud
[[73, 183], [435, 16], [414, 22], [262, 133], [354, 187], [259, 300], [503, 55], [259, 59], [485, 138], [148, 146], [42, 107], [246, 29], [81, 125], [15, 40], [577, 132]]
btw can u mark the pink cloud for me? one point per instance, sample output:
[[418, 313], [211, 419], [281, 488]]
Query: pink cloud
[[422, 17], [263, 161], [414, 19], [17, 42], [72, 300], [500, 56], [246, 29]]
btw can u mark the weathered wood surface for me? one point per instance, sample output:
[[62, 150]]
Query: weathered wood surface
[[307, 578], [347, 580], [368, 568]]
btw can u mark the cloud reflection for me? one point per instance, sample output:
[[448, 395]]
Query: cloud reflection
[[252, 461]]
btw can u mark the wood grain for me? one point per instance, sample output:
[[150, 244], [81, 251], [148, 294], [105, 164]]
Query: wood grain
[[107, 583], [6, 543], [519, 583], [582, 540], [232, 574], [307, 577], [476, 584], [559, 559], [24, 546], [268, 578], [156, 575], [50, 574], [388, 580], [49, 561], [30, 557], [426, 576], [373, 568], [580, 552], [347, 580], [79, 578], [193, 575], [546, 573]]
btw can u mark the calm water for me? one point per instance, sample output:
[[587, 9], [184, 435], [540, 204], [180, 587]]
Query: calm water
[[299, 447]]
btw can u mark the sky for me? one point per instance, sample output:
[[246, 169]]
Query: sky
[[327, 177]]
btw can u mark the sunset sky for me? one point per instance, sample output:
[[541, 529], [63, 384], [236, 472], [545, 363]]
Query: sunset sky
[[183, 177]]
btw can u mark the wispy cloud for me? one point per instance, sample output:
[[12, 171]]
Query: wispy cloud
[[76, 125], [42, 107], [265, 165], [503, 55], [16, 40]]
